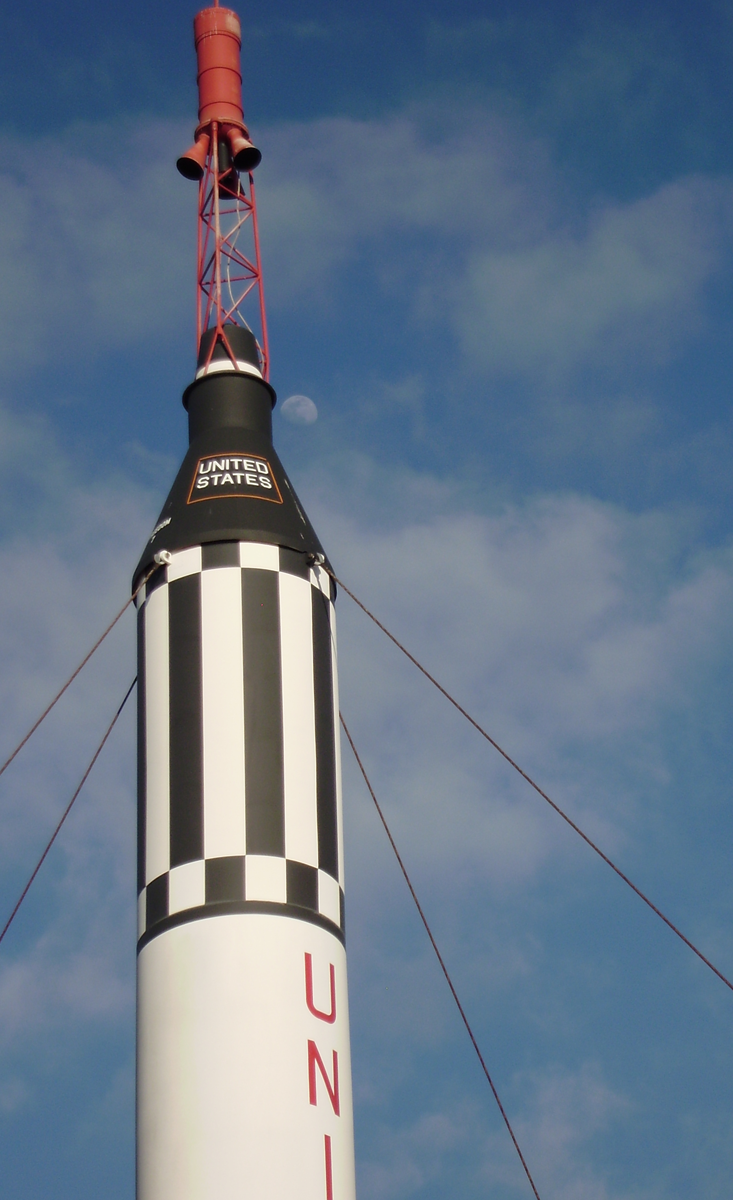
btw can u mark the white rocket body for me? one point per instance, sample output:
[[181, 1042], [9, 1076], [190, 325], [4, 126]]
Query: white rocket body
[[237, 1092], [243, 1077]]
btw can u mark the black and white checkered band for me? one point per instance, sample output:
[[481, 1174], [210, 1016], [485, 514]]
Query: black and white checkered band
[[253, 555], [239, 785], [240, 884]]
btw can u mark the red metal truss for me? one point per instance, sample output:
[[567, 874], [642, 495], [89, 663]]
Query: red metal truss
[[228, 274]]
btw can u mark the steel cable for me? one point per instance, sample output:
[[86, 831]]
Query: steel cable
[[439, 957], [66, 812], [560, 812], [74, 674]]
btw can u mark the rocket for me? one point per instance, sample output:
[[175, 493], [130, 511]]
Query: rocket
[[243, 1059]]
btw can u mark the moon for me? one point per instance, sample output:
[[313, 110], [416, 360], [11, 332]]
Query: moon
[[299, 410]]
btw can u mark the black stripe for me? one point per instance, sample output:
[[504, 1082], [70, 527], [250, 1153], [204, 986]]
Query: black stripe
[[225, 878], [325, 737], [186, 734], [157, 579], [294, 562], [219, 554], [302, 884], [241, 906], [142, 764], [263, 732], [156, 901]]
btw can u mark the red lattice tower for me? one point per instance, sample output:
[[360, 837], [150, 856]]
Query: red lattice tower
[[228, 272]]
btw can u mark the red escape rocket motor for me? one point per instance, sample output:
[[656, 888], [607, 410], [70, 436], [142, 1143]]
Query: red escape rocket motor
[[243, 1075]]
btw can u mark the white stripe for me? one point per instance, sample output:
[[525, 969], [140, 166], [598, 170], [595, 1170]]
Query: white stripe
[[157, 735], [265, 878], [186, 886], [223, 711], [329, 898], [299, 733], [254, 554], [321, 580], [185, 562], [226, 364], [337, 739]]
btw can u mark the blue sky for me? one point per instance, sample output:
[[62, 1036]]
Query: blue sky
[[498, 256]]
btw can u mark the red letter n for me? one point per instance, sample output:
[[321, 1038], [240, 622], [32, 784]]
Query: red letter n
[[315, 1060]]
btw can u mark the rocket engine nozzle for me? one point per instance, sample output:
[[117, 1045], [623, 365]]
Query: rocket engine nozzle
[[245, 156], [218, 38], [193, 163]]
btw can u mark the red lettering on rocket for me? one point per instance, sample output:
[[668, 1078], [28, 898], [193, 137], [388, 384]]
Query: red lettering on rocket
[[328, 1017], [315, 1060], [329, 1167]]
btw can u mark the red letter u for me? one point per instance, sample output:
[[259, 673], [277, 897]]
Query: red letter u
[[329, 1018]]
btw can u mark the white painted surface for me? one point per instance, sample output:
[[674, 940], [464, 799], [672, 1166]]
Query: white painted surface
[[321, 579], [337, 740], [157, 735], [225, 364], [255, 554], [299, 737], [329, 897], [184, 562], [265, 879], [223, 712], [186, 886], [224, 1107]]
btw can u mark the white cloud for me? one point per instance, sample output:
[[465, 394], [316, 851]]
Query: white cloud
[[564, 1112], [96, 248], [409, 1158], [631, 282], [333, 187], [67, 564], [555, 624], [464, 217], [560, 623], [457, 214]]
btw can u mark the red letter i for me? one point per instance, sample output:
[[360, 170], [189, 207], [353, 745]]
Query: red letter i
[[329, 1168]]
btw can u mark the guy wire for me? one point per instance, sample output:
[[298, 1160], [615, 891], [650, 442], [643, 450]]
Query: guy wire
[[439, 957], [560, 812]]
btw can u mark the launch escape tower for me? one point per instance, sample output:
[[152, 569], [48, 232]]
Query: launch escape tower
[[243, 1078], [226, 277]]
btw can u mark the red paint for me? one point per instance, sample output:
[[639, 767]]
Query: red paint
[[329, 1017], [315, 1060], [329, 1167], [218, 37], [229, 275]]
